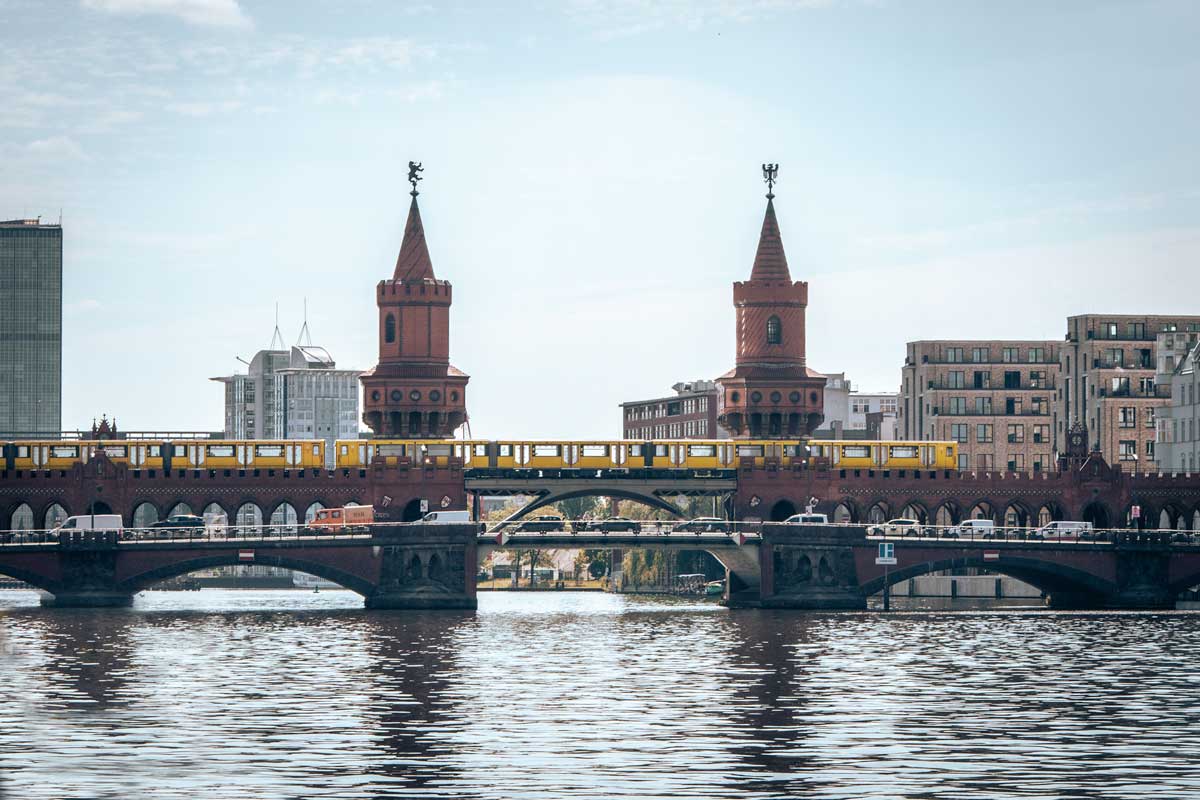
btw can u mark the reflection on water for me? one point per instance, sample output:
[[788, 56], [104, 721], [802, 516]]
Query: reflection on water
[[283, 694]]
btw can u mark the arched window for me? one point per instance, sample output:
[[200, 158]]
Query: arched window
[[774, 331], [389, 329]]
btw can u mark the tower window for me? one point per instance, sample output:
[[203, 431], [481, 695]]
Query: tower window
[[774, 333], [389, 329]]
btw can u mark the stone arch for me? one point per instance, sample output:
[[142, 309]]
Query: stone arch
[[412, 510], [22, 518], [180, 509], [310, 513], [1016, 515], [946, 514], [145, 514], [915, 509], [414, 568], [1196, 519], [804, 568], [249, 517], [1050, 511], [215, 512], [1097, 513], [844, 513], [284, 516], [982, 509], [433, 570], [782, 510], [602, 491], [224, 558], [877, 513], [55, 516], [1050, 577], [825, 572]]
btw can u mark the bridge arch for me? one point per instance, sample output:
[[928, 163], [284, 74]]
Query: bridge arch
[[1049, 577], [180, 509], [284, 515], [782, 510], [145, 514], [877, 513], [982, 509], [915, 509], [1017, 515], [54, 516], [1097, 513], [21, 518], [249, 515], [1049, 512], [625, 494], [144, 580], [845, 511], [310, 513], [215, 508], [946, 514]]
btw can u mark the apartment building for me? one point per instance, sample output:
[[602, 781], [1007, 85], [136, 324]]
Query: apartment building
[[995, 398], [1109, 383], [691, 413]]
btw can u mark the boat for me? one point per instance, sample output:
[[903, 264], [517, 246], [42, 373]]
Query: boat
[[302, 580], [713, 588]]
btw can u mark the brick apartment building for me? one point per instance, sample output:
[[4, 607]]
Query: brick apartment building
[[995, 398], [1109, 366], [691, 413]]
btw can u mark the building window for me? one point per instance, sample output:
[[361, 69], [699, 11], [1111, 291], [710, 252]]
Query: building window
[[1016, 434], [1150, 451], [1128, 417], [1114, 357], [958, 432], [984, 461], [1010, 355], [954, 355], [1037, 355], [1041, 462], [963, 462], [1128, 450], [1041, 434], [983, 433], [389, 329], [1012, 379], [1016, 462], [1137, 330], [983, 405], [1040, 406], [1150, 417], [956, 379], [1012, 405], [1120, 387], [979, 355], [1037, 379], [774, 331], [982, 380], [958, 405]]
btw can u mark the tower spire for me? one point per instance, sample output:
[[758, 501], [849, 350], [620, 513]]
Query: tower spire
[[305, 336], [770, 262], [413, 263], [277, 337]]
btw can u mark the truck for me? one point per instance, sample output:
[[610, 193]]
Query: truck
[[447, 518], [357, 519]]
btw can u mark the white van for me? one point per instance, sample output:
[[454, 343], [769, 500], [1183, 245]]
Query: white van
[[447, 518], [1065, 529], [93, 522], [973, 529], [807, 519]]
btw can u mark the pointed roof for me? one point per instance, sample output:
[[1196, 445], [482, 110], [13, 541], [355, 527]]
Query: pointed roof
[[413, 263], [770, 262]]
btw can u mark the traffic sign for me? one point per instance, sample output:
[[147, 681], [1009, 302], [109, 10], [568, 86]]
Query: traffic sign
[[887, 554], [1136, 512]]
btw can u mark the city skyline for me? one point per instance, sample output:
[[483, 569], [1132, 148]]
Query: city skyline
[[592, 184]]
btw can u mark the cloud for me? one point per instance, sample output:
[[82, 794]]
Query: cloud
[[211, 13], [620, 18], [204, 109], [56, 147]]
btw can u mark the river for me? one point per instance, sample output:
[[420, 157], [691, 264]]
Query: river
[[291, 694]]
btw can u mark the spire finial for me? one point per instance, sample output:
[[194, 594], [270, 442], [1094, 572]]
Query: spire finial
[[414, 167], [305, 336], [770, 173]]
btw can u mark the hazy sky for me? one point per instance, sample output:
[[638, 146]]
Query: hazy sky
[[592, 182]]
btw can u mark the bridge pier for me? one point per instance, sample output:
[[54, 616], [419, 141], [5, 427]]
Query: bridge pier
[[87, 599], [88, 573], [809, 568], [425, 568]]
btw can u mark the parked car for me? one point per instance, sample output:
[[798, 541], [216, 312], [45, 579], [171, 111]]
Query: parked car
[[973, 529], [807, 519], [447, 518], [1071, 530], [613, 524], [542, 523], [184, 523], [703, 525], [93, 522], [896, 527]]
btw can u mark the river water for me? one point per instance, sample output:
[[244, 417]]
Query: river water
[[290, 694]]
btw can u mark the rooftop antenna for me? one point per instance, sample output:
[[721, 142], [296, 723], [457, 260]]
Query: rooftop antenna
[[277, 336], [305, 335]]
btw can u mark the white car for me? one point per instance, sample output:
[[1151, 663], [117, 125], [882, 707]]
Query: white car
[[1062, 529], [896, 527], [973, 529], [807, 519]]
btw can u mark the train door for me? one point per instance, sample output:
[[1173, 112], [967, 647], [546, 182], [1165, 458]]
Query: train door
[[677, 451], [618, 455], [571, 454], [648, 454], [137, 455], [197, 454], [522, 453], [39, 453]]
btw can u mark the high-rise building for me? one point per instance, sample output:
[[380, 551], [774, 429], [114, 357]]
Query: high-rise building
[[1108, 369], [250, 410], [770, 392], [30, 328], [1177, 424], [414, 390], [995, 398]]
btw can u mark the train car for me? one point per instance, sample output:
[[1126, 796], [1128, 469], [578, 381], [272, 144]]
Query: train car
[[45, 455], [886, 455], [270, 454]]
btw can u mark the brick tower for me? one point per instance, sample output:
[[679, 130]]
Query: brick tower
[[414, 391], [770, 393]]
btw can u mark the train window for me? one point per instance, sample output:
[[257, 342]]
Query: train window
[[316, 449], [506, 450], [155, 450], [792, 450], [219, 450], [64, 452], [855, 451], [22, 451], [437, 450], [594, 450], [902, 451], [345, 450], [660, 450], [390, 450], [114, 451], [547, 450], [269, 450], [702, 450], [480, 449], [950, 451], [750, 450], [635, 449]]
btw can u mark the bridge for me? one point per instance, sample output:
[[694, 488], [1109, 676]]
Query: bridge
[[774, 565]]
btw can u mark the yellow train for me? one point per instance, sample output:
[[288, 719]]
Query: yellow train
[[167, 455], [501, 456]]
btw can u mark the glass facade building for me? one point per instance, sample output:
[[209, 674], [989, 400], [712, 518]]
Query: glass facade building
[[30, 329]]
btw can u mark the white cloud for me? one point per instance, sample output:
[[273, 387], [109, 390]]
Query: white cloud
[[56, 147], [204, 109], [618, 18], [214, 13]]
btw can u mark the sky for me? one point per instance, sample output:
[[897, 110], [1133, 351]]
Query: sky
[[592, 187]]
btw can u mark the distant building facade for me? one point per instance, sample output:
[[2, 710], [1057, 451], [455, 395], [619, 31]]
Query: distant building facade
[[691, 413], [1177, 447], [30, 328], [995, 398], [1109, 384], [851, 414], [292, 394]]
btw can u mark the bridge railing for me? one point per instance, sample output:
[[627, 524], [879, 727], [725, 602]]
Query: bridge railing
[[1008, 533], [603, 527], [216, 532]]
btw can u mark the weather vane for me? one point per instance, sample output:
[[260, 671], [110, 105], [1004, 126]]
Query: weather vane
[[770, 171], [413, 168]]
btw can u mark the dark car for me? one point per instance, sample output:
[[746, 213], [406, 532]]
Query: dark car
[[542, 523], [180, 521], [703, 525], [614, 524]]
